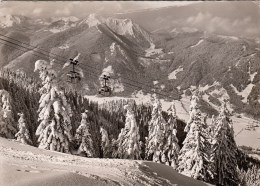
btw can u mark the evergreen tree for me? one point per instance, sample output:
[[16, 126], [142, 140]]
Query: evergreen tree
[[128, 139], [224, 150], [156, 130], [105, 143], [54, 130], [7, 129], [193, 110], [23, 134], [193, 158], [83, 137], [114, 148], [252, 176], [171, 147]]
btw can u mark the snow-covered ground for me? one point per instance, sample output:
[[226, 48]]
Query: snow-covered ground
[[173, 74], [9, 20], [246, 137], [199, 42], [228, 37], [23, 165], [65, 46], [256, 156], [152, 50], [246, 92]]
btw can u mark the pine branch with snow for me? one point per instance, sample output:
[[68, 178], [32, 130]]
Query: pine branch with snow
[[83, 137], [128, 139], [7, 128], [54, 130], [23, 135]]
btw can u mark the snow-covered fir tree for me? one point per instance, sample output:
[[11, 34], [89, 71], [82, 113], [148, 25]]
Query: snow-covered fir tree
[[54, 130], [224, 150], [23, 135], [171, 148], [193, 109], [193, 157], [250, 177], [83, 137], [105, 143], [156, 133], [128, 139], [114, 148], [7, 128]]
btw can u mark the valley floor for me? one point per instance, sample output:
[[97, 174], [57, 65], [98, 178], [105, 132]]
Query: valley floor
[[23, 165]]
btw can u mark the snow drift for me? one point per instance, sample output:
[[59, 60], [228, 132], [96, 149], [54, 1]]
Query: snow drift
[[26, 165]]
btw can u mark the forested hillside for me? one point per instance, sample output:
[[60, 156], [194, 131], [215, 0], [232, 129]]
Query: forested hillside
[[122, 129]]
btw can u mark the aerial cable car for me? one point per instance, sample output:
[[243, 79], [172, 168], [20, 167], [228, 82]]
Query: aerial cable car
[[105, 90], [73, 76]]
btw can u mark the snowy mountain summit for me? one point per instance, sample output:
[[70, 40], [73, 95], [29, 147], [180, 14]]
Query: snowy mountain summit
[[124, 27], [91, 20], [121, 26], [9, 20]]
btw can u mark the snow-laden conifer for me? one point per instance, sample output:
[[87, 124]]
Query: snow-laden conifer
[[171, 147], [128, 139], [54, 130], [224, 150], [7, 128], [251, 176], [23, 135], [105, 143], [156, 133], [83, 137], [193, 110], [193, 158]]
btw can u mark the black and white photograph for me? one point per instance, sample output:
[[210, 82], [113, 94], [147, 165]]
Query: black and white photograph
[[129, 93]]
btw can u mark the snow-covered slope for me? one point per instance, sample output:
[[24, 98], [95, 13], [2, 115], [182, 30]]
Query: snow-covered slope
[[23, 165], [9, 20]]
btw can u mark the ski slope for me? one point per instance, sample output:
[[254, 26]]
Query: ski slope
[[23, 165]]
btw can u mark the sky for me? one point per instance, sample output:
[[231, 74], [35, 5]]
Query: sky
[[79, 8]]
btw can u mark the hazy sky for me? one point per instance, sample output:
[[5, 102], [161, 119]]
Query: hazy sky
[[79, 8]]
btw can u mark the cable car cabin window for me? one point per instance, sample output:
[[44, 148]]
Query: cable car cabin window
[[105, 91]]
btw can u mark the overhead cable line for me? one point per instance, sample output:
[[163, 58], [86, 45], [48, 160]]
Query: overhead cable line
[[36, 47], [66, 60], [46, 57]]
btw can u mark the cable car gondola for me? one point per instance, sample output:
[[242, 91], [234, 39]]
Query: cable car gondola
[[105, 90], [73, 76]]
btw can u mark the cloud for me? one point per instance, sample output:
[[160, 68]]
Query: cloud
[[216, 24], [63, 12], [78, 8], [37, 11]]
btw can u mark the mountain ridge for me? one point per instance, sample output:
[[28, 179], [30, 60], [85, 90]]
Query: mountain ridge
[[143, 57]]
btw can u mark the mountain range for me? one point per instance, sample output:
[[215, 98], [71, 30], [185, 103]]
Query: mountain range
[[160, 50]]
